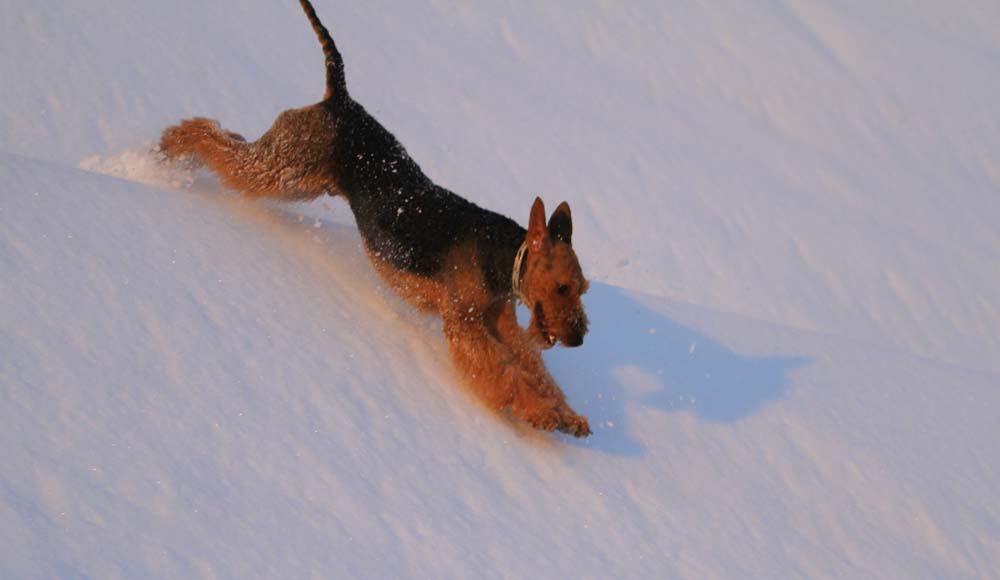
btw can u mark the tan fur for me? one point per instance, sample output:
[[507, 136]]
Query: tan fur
[[500, 359], [291, 161]]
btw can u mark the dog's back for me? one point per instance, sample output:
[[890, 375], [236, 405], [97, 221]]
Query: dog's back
[[403, 216]]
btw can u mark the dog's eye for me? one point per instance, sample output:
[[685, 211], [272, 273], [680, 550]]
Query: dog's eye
[[562, 289]]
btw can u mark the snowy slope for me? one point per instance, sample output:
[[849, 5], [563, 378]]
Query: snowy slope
[[788, 210]]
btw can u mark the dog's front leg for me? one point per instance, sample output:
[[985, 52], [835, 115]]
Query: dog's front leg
[[499, 376], [530, 359], [493, 368]]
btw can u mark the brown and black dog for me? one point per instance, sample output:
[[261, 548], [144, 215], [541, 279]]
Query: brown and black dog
[[439, 251]]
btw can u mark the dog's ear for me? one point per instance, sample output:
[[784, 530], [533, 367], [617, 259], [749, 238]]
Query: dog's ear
[[561, 224], [537, 232]]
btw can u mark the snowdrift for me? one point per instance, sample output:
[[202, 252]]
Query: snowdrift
[[787, 212]]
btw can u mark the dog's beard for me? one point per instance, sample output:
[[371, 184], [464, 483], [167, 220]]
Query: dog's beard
[[548, 340]]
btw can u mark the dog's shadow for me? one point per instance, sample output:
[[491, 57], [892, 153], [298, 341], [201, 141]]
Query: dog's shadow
[[634, 355]]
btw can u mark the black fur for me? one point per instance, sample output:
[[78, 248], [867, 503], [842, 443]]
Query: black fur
[[560, 227], [335, 80], [403, 216]]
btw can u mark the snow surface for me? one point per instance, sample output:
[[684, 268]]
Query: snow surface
[[788, 210]]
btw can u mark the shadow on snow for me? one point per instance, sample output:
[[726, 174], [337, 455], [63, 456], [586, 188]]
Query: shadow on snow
[[634, 355]]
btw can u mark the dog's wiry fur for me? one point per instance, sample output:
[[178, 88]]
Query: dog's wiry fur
[[439, 251]]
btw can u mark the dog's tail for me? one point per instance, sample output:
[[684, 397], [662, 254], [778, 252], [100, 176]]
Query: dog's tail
[[336, 84]]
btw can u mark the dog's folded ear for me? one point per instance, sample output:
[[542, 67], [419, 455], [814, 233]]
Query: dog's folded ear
[[537, 232], [561, 224]]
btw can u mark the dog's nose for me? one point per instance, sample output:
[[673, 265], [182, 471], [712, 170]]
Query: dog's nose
[[574, 340]]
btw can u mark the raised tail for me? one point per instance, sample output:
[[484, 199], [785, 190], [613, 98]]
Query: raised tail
[[336, 84]]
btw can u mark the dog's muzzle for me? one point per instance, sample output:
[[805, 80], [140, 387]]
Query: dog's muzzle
[[578, 328]]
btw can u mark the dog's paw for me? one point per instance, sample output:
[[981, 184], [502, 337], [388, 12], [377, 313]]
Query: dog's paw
[[181, 140], [175, 143], [576, 426]]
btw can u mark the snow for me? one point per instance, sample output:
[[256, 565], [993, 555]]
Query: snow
[[788, 212]]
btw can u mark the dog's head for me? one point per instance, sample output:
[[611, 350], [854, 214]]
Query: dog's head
[[553, 280]]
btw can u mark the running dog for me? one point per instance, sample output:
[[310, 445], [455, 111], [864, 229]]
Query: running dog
[[439, 251]]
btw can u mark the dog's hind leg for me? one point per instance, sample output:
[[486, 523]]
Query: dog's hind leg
[[224, 152], [262, 168], [196, 139]]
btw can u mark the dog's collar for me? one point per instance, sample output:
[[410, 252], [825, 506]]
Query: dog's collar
[[515, 275]]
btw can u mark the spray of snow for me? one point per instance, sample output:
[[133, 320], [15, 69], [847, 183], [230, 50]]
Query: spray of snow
[[143, 165]]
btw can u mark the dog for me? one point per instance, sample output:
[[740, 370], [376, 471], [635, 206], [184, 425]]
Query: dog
[[439, 251]]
